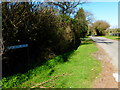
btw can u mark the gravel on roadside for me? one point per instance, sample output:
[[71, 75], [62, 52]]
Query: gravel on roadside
[[106, 79]]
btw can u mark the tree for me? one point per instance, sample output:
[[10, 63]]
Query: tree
[[23, 24], [66, 7], [89, 17], [100, 26], [82, 24]]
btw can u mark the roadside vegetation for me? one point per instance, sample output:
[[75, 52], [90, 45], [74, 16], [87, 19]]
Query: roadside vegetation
[[47, 28], [58, 53], [75, 69]]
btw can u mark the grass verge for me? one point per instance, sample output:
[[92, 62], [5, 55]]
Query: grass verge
[[112, 37], [79, 70]]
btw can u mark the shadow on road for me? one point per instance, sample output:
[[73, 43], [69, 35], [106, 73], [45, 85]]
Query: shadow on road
[[101, 39], [105, 42]]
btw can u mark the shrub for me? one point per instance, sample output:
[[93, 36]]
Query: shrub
[[45, 31]]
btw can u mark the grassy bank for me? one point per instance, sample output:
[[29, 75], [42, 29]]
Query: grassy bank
[[112, 37], [76, 69]]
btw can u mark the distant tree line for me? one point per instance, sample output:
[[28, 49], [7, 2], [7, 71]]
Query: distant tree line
[[113, 31], [101, 28], [98, 28], [47, 29]]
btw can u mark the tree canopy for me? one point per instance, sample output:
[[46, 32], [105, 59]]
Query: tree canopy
[[66, 7], [82, 23], [100, 26]]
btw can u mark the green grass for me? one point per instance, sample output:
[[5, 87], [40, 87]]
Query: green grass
[[76, 69], [112, 37]]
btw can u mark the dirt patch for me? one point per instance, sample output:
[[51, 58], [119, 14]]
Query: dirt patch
[[106, 79]]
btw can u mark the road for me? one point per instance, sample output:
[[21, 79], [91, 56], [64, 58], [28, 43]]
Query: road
[[111, 47]]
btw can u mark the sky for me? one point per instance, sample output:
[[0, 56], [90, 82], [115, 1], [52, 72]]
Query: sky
[[107, 11]]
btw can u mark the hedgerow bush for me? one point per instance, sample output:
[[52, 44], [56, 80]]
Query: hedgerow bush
[[46, 32]]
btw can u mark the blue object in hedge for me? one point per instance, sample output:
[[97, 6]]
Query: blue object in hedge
[[17, 46]]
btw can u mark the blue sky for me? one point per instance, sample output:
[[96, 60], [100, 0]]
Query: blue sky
[[107, 11]]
